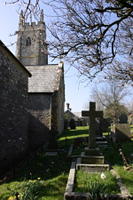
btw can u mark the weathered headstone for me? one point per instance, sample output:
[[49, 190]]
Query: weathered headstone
[[123, 119], [122, 130], [104, 125], [72, 124], [92, 114], [53, 145], [122, 133]]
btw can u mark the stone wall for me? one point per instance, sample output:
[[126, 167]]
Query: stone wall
[[39, 108], [13, 110], [58, 108]]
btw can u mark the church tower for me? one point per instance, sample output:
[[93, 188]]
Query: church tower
[[31, 43]]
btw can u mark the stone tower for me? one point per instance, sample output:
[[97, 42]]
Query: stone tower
[[31, 43]]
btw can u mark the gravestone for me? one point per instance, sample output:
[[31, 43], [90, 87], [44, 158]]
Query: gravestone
[[122, 130], [53, 145], [123, 119], [98, 129], [72, 124], [92, 114], [104, 125]]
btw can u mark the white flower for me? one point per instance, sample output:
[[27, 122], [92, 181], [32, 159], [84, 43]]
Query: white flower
[[103, 176]]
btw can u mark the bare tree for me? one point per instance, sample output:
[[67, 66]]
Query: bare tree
[[110, 96], [31, 8], [95, 36], [91, 35]]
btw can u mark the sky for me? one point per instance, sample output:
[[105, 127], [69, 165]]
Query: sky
[[76, 93]]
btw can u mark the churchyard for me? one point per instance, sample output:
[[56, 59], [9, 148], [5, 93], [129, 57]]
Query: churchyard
[[81, 165], [46, 177]]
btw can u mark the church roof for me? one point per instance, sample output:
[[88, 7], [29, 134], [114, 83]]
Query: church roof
[[45, 79]]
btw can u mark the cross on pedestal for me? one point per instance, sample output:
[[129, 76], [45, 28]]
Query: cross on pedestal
[[92, 114]]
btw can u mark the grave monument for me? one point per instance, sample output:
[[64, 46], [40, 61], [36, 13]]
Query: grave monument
[[91, 159], [122, 130], [92, 114]]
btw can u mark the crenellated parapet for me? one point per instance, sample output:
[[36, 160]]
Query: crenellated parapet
[[33, 25], [31, 43]]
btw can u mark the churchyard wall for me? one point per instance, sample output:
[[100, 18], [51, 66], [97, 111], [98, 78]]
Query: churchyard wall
[[13, 110]]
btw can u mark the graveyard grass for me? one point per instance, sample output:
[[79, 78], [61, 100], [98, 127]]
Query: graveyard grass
[[45, 177], [89, 183]]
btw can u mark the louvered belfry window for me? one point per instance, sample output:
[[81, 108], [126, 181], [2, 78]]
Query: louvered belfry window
[[28, 41]]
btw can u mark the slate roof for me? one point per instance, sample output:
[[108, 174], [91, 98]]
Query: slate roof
[[71, 115], [45, 79], [78, 114]]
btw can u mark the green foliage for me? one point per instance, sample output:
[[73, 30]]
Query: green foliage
[[53, 171], [114, 110], [31, 190], [126, 176], [90, 183]]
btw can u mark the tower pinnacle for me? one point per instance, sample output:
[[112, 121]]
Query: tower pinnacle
[[21, 18], [42, 16]]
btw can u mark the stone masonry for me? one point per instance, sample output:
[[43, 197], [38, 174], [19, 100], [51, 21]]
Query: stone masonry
[[13, 110], [31, 43], [45, 87]]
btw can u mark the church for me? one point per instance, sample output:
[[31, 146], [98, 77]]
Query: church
[[46, 90], [32, 94]]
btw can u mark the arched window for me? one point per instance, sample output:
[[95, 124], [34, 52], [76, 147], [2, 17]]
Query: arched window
[[28, 41]]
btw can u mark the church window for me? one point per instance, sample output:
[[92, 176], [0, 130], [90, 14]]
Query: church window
[[28, 41]]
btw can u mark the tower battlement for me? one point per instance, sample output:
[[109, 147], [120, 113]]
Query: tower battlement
[[31, 43]]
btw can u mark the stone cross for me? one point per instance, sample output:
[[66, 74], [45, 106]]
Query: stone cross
[[92, 114]]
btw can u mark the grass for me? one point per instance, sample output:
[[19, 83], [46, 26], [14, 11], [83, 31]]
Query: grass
[[89, 183], [113, 157], [45, 177], [52, 172]]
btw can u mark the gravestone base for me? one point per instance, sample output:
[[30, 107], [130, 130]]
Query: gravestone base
[[92, 168], [94, 152], [102, 143], [100, 138], [51, 153], [85, 159]]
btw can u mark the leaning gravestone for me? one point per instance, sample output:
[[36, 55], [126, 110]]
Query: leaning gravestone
[[122, 130]]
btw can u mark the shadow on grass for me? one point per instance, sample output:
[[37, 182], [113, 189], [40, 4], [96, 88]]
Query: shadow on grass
[[53, 171], [48, 167], [69, 135]]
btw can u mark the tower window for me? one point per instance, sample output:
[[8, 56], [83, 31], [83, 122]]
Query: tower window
[[28, 41]]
